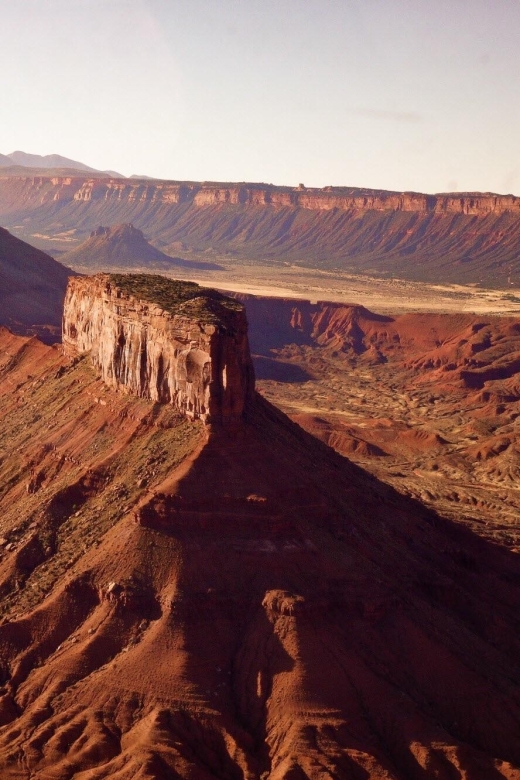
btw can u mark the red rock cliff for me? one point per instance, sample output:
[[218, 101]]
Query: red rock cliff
[[45, 189], [193, 361]]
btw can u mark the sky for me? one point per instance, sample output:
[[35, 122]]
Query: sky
[[418, 95]]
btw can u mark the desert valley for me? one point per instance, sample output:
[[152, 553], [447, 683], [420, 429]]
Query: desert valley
[[266, 527]]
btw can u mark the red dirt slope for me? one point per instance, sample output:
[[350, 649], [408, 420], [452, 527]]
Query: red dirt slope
[[32, 289], [194, 603]]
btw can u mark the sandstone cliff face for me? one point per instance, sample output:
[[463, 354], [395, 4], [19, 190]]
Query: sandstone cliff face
[[202, 368], [77, 188]]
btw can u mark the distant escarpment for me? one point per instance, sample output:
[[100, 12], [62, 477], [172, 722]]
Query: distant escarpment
[[457, 237], [168, 341]]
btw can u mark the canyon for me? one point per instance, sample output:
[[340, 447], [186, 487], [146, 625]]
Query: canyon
[[199, 580], [182, 599], [428, 403], [468, 238]]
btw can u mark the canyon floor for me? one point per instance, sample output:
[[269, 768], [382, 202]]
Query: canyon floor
[[384, 295], [429, 403]]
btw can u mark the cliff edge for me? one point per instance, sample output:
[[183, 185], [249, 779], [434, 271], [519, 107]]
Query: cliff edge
[[169, 341]]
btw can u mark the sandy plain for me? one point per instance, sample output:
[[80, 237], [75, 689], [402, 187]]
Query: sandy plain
[[384, 295]]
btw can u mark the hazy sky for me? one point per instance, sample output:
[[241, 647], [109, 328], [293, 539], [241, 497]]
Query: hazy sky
[[395, 94]]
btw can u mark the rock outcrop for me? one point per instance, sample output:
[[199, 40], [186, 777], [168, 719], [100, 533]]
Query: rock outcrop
[[171, 342], [125, 247]]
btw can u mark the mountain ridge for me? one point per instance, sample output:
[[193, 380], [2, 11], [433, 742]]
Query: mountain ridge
[[46, 161], [53, 161]]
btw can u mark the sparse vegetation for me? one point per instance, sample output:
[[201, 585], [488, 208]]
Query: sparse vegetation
[[179, 297], [92, 464]]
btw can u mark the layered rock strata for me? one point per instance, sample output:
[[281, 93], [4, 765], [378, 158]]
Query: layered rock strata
[[64, 189], [193, 354]]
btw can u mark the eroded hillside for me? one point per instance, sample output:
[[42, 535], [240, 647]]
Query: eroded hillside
[[124, 247], [428, 402], [32, 289], [190, 601]]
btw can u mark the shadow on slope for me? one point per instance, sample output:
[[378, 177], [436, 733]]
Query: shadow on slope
[[351, 626], [234, 602], [32, 289]]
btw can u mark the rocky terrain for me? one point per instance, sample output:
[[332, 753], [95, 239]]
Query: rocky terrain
[[171, 342], [32, 289], [430, 403], [190, 600], [200, 596], [182, 600], [124, 247], [458, 237]]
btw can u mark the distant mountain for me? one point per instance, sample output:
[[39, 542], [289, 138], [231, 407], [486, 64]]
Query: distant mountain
[[32, 289], [48, 161], [124, 246]]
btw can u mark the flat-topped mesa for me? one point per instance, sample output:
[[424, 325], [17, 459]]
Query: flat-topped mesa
[[166, 340]]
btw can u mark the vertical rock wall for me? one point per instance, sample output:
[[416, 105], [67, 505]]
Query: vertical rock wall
[[202, 368]]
